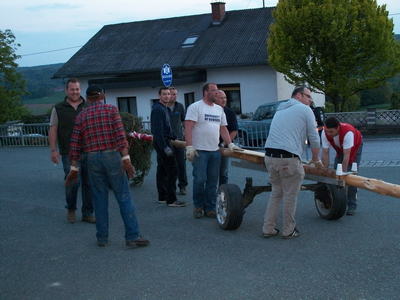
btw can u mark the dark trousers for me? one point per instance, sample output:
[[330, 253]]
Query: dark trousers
[[180, 156], [167, 174], [351, 190]]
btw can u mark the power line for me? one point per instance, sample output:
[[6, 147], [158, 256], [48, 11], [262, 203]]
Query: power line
[[50, 51]]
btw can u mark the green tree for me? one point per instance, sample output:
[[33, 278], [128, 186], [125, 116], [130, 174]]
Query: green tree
[[375, 96], [338, 47], [12, 86], [395, 101]]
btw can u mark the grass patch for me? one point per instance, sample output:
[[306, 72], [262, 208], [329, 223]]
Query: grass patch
[[383, 106], [40, 106], [53, 99]]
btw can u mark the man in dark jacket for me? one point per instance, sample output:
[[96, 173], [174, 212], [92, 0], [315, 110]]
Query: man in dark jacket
[[232, 129], [177, 118], [167, 169]]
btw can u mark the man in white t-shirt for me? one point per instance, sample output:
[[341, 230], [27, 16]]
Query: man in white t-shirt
[[205, 122], [347, 141]]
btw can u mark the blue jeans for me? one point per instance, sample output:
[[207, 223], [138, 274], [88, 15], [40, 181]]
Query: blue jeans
[[71, 193], [351, 190], [105, 169], [223, 170], [205, 179]]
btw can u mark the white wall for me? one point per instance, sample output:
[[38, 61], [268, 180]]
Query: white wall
[[258, 85], [285, 90], [145, 95]]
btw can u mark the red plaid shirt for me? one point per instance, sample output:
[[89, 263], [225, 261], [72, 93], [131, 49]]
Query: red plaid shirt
[[98, 127]]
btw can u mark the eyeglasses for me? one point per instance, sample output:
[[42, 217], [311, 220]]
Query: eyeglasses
[[309, 97], [213, 91]]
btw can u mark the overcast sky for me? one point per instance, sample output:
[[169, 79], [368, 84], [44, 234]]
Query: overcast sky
[[52, 31]]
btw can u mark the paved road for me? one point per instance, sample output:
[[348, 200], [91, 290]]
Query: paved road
[[44, 257]]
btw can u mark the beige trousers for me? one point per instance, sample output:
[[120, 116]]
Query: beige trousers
[[286, 176]]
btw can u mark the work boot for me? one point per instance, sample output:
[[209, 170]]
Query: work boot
[[71, 216]]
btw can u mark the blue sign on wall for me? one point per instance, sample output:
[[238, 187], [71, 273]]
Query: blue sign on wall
[[166, 75]]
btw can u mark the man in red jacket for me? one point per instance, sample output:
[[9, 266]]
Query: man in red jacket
[[347, 141]]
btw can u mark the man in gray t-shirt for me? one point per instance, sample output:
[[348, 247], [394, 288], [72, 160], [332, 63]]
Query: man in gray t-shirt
[[292, 125]]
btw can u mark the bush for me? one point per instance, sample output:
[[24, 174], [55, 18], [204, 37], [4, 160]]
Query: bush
[[139, 150]]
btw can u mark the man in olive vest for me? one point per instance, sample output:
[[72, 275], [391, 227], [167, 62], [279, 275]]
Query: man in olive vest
[[62, 122]]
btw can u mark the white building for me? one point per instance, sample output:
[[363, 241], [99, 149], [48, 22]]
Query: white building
[[228, 48]]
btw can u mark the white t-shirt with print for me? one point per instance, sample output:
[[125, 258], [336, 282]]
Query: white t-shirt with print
[[206, 131]]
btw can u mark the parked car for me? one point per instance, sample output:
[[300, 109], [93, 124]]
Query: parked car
[[254, 133]]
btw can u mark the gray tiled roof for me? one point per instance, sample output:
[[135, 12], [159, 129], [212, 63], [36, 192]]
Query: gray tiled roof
[[144, 46]]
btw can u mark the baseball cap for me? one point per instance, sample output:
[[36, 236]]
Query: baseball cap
[[94, 90]]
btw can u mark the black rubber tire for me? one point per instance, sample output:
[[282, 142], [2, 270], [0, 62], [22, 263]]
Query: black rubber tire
[[330, 201], [229, 206]]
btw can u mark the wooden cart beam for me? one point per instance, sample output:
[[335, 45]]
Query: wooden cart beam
[[373, 185]]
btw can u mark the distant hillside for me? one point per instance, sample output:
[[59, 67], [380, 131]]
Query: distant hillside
[[38, 82]]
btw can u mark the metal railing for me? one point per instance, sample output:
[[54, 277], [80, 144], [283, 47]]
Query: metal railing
[[371, 121], [146, 125], [31, 134], [368, 121], [24, 135]]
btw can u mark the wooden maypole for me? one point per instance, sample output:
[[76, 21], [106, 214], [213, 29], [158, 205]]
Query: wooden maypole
[[370, 184]]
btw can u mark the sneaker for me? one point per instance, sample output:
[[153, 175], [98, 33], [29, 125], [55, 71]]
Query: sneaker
[[210, 214], [295, 233], [177, 204], [89, 219], [273, 233], [162, 202], [182, 191], [351, 211], [138, 242], [198, 212]]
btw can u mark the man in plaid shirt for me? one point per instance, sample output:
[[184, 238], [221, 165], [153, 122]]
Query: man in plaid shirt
[[99, 133]]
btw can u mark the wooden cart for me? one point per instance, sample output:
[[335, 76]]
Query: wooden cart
[[329, 190]]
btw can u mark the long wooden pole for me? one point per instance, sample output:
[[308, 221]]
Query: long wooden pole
[[373, 185]]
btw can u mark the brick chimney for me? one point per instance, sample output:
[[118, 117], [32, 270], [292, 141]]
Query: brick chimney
[[218, 12]]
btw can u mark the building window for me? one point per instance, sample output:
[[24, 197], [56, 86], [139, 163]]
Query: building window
[[153, 101], [233, 99], [128, 104], [189, 42], [189, 99]]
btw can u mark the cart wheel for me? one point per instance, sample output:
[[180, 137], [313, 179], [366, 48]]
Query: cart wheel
[[330, 201], [229, 206]]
